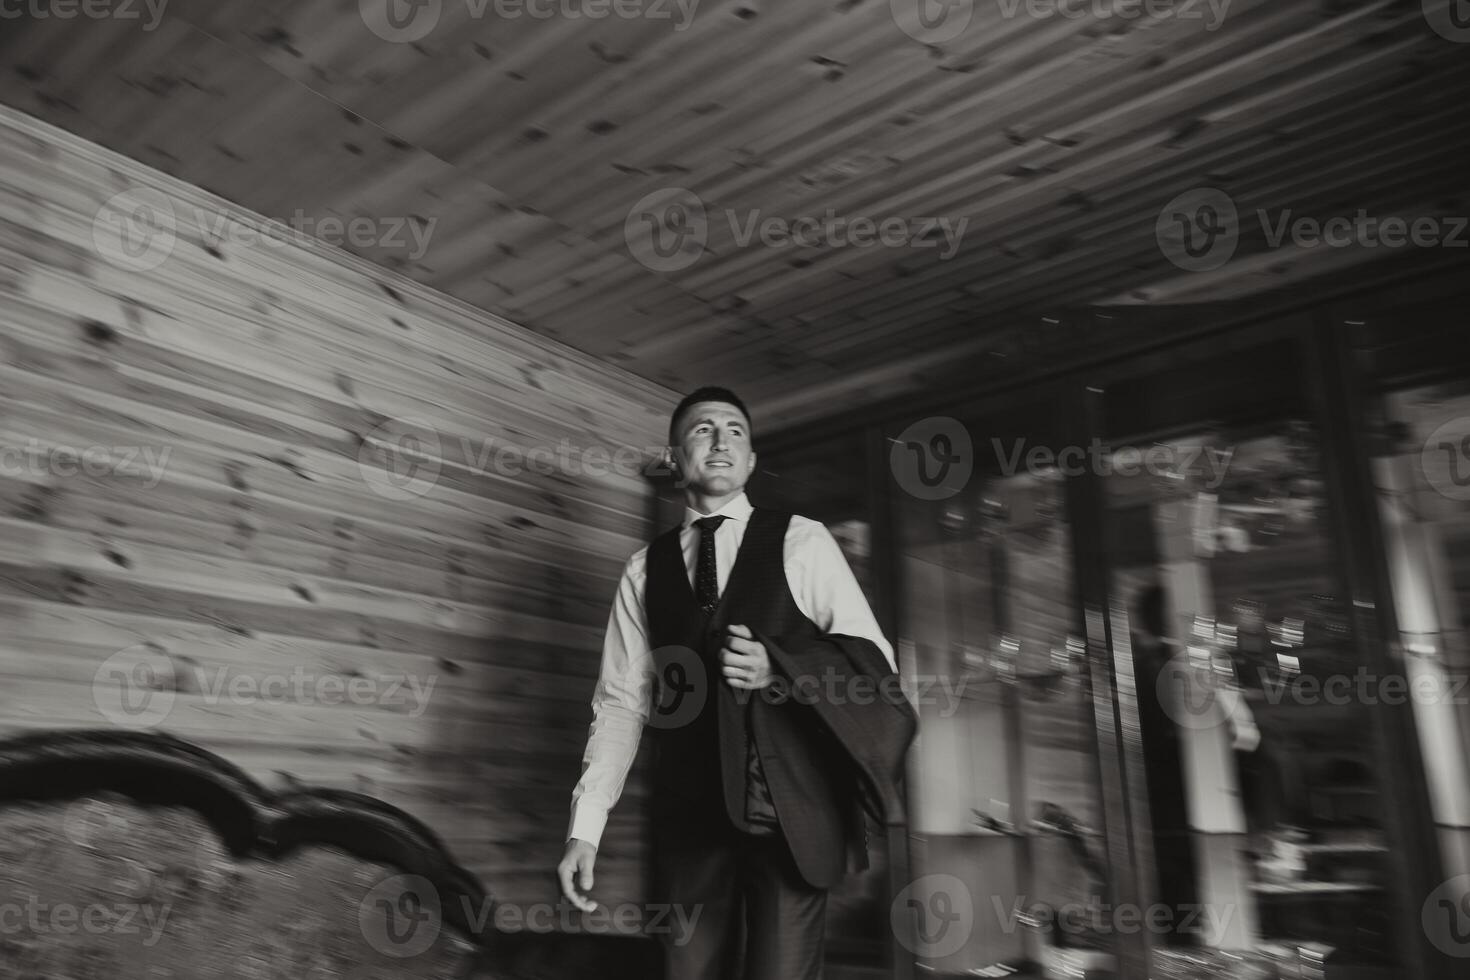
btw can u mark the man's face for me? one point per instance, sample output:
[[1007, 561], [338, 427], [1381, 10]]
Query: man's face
[[714, 448]]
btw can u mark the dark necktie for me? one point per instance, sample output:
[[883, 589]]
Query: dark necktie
[[760, 812], [706, 572]]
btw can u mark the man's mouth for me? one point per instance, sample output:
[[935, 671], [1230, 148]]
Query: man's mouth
[[721, 462]]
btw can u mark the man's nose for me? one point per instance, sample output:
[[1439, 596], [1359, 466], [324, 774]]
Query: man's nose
[[720, 438]]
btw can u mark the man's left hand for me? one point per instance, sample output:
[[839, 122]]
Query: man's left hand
[[746, 665]]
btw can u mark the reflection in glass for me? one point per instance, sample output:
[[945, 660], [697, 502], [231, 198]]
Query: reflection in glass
[[1254, 729], [1005, 791]]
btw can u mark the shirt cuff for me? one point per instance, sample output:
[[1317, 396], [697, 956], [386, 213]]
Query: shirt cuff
[[588, 824]]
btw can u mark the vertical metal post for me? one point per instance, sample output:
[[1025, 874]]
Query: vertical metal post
[[888, 585], [1086, 509], [1339, 402]]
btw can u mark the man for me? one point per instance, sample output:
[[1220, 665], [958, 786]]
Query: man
[[758, 794]]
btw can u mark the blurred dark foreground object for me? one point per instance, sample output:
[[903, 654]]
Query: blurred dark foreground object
[[137, 856], [561, 956]]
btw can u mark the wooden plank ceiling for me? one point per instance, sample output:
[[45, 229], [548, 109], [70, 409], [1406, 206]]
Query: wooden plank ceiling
[[520, 148]]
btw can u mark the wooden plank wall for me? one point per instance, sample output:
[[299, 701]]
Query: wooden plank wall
[[234, 519]]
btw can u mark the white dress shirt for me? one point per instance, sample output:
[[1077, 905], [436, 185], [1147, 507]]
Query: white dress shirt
[[821, 583]]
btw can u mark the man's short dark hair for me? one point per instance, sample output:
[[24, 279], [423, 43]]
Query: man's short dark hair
[[709, 393]]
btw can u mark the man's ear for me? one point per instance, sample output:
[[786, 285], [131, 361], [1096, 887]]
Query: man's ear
[[671, 460], [750, 465]]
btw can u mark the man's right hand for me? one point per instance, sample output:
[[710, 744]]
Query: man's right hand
[[575, 872]]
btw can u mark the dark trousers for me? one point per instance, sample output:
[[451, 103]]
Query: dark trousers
[[753, 908]]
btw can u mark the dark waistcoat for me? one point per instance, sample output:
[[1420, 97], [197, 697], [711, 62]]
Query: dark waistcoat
[[704, 730]]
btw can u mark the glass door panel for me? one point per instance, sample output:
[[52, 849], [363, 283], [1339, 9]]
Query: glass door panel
[[1421, 476], [1005, 806], [1254, 732]]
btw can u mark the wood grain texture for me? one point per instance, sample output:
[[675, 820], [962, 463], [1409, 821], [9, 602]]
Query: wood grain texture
[[311, 515], [518, 147]]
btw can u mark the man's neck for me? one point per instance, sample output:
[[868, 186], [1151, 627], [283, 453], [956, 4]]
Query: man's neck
[[707, 504]]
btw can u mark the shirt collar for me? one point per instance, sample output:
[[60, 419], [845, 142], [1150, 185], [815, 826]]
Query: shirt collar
[[738, 508]]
